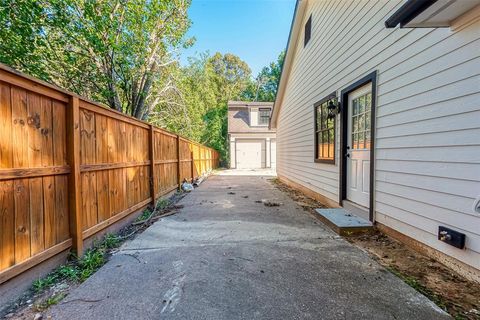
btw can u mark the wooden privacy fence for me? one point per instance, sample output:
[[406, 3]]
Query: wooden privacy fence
[[69, 168]]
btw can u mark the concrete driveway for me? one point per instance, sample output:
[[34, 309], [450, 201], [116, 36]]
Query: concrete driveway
[[228, 256]]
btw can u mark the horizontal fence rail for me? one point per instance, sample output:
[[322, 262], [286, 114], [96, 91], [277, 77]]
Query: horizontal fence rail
[[69, 168]]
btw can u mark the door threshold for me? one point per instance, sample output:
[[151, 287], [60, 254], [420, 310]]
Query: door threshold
[[356, 209]]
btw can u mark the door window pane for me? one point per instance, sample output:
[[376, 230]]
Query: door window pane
[[361, 104], [361, 122]]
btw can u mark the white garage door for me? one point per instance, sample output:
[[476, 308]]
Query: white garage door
[[249, 154]]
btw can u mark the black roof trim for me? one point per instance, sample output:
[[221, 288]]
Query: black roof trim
[[407, 12]]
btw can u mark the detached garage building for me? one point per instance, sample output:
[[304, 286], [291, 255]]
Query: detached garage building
[[252, 143]]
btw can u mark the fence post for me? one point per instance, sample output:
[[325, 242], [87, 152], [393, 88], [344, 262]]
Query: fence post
[[74, 181], [179, 176], [151, 151], [192, 166]]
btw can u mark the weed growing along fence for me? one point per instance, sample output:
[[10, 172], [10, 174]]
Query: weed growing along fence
[[69, 168]]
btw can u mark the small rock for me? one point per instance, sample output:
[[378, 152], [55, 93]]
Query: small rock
[[9, 315], [62, 286], [474, 311], [38, 316]]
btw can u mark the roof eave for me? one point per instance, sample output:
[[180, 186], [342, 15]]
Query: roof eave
[[407, 12], [289, 55]]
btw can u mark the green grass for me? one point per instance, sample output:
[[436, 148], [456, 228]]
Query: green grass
[[50, 301], [146, 213], [40, 285], [69, 272], [162, 204], [78, 270], [111, 241]]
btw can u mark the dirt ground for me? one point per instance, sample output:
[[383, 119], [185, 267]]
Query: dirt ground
[[450, 291]]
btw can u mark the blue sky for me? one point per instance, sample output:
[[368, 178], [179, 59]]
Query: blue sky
[[254, 30]]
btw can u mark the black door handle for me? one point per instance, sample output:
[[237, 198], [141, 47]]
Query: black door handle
[[347, 155]]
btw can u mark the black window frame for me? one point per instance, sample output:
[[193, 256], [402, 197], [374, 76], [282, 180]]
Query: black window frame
[[316, 131], [260, 116], [307, 31]]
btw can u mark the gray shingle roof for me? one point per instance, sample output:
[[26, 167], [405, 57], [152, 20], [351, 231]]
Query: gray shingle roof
[[238, 117]]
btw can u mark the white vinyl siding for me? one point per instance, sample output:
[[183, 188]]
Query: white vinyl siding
[[428, 116], [253, 116]]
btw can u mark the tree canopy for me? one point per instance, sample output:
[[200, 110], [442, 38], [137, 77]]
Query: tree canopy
[[116, 52], [125, 53], [265, 86], [199, 108]]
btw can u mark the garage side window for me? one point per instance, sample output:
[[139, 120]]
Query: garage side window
[[263, 116], [324, 131]]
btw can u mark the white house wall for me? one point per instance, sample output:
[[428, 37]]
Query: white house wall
[[427, 124], [254, 116]]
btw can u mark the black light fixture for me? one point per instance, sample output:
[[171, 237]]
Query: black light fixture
[[333, 108]]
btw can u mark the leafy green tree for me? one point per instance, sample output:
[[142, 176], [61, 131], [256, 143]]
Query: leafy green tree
[[265, 86], [199, 109], [231, 75], [117, 52]]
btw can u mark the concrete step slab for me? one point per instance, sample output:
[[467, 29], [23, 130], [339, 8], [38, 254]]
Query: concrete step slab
[[344, 222]]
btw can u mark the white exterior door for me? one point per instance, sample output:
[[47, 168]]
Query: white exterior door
[[358, 145], [249, 154]]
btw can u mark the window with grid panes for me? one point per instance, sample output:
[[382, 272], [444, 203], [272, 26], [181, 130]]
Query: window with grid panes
[[263, 116], [324, 132], [361, 107]]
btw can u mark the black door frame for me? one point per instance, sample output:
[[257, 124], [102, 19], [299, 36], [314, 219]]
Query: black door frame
[[370, 78]]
